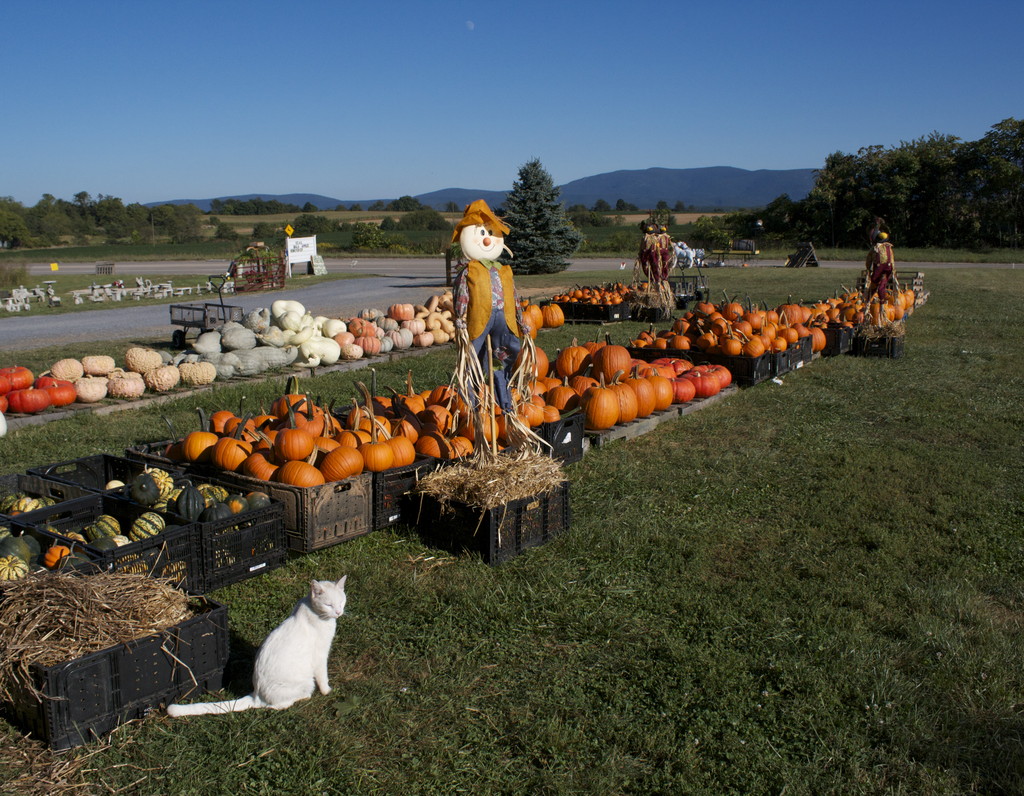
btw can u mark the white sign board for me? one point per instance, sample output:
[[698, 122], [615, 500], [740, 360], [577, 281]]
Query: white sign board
[[300, 250]]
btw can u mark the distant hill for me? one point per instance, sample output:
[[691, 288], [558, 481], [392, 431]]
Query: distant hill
[[707, 188], [713, 187]]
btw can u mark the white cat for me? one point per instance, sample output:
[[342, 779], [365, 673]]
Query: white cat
[[292, 659]]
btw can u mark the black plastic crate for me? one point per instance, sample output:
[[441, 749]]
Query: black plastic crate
[[316, 517], [565, 436], [608, 313], [838, 340], [779, 363], [90, 696], [173, 554], [152, 454], [650, 314], [35, 486], [746, 371], [891, 347], [801, 351], [242, 546], [497, 534], [392, 502], [569, 308], [93, 472]]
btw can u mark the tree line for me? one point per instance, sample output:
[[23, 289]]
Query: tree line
[[936, 191]]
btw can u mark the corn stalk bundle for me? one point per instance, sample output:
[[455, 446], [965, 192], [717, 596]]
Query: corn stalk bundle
[[477, 392]]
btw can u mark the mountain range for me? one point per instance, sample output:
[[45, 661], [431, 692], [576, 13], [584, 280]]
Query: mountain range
[[709, 188]]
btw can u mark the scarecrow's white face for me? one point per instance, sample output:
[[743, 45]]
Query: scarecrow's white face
[[481, 243]]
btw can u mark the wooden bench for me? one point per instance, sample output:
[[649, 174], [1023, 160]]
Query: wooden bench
[[738, 249]]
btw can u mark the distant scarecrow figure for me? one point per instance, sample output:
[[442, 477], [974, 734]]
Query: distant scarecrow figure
[[880, 263], [486, 303], [657, 254]]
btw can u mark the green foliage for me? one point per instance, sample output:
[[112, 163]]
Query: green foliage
[[934, 191], [224, 231], [253, 207], [711, 232], [13, 230], [541, 238], [581, 217], [404, 203], [425, 218], [369, 236], [309, 224]]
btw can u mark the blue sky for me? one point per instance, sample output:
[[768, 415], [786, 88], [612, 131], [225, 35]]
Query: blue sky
[[154, 100]]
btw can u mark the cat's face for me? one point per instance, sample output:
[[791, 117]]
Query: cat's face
[[328, 598]]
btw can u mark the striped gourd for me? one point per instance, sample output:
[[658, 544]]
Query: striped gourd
[[103, 525], [213, 493], [146, 525], [13, 568], [25, 504], [164, 480]]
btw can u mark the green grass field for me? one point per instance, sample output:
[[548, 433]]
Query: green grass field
[[813, 587]]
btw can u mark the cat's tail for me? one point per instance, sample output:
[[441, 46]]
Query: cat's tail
[[227, 706]]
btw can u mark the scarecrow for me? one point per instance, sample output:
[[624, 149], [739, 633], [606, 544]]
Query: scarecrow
[[657, 254], [880, 265], [654, 262], [487, 308]]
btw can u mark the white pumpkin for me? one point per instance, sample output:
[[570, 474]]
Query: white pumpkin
[[91, 389]]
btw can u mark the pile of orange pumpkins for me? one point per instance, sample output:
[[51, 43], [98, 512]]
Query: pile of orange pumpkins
[[610, 387], [610, 294], [732, 329], [302, 444]]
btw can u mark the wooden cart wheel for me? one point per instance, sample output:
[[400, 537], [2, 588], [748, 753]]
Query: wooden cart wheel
[[178, 338]]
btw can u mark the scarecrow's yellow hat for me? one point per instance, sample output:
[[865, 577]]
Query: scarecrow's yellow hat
[[479, 214]]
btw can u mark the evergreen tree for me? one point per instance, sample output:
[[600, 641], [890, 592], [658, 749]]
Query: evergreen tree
[[541, 237]]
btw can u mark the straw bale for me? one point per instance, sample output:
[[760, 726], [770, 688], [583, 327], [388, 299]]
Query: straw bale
[[55, 617], [885, 329], [490, 482]]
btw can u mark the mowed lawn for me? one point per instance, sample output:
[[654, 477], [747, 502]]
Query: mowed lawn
[[813, 587]]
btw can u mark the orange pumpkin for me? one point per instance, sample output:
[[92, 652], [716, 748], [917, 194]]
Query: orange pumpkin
[[55, 556], [299, 473], [341, 463]]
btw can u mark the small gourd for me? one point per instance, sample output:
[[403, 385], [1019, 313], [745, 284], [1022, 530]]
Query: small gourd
[[145, 490], [215, 513], [54, 557], [190, 503], [12, 567], [145, 526]]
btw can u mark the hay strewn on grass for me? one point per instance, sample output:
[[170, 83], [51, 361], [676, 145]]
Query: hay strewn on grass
[[56, 617], [486, 483]]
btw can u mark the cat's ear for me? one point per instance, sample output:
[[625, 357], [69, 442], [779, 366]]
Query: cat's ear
[[315, 587], [341, 583]]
